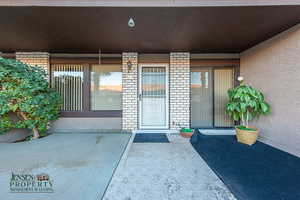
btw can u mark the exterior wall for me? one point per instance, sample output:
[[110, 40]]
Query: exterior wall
[[274, 67], [87, 124], [179, 90], [130, 91], [70, 124], [35, 58]]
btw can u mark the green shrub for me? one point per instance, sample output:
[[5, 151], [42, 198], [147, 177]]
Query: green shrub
[[186, 130], [25, 92], [245, 128], [246, 103]]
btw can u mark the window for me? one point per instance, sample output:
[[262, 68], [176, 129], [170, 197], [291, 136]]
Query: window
[[201, 98], [106, 87], [68, 81], [209, 86], [223, 81], [89, 90]]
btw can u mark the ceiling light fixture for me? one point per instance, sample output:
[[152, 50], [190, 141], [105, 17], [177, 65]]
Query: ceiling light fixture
[[131, 23]]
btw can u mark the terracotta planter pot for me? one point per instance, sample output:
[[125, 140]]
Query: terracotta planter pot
[[14, 135], [186, 134], [246, 137]]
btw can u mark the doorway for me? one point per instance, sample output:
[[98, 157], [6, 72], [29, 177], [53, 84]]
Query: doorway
[[209, 86], [153, 96]]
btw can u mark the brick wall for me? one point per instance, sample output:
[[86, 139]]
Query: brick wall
[[179, 90], [273, 67], [35, 58], [130, 84]]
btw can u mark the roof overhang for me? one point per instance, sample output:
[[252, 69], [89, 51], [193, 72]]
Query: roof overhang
[[216, 29], [147, 3]]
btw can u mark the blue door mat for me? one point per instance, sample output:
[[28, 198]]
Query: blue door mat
[[257, 172], [151, 138]]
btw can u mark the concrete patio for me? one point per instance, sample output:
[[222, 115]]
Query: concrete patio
[[80, 164], [165, 171], [94, 166]]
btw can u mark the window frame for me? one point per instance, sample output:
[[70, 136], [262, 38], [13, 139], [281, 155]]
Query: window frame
[[86, 100]]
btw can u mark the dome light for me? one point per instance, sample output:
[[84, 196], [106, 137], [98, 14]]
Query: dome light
[[131, 23]]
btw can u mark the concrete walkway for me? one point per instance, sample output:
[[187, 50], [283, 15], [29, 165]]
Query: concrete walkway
[[80, 165], [165, 171]]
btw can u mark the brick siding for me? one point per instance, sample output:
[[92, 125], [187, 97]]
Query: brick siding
[[35, 58], [179, 90], [130, 84]]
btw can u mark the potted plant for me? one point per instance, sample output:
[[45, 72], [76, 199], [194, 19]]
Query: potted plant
[[186, 132], [26, 100], [245, 104]]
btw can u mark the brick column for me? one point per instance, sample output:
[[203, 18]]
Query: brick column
[[179, 90], [35, 58], [130, 91]]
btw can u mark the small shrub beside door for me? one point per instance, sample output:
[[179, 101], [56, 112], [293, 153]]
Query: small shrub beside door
[[186, 132]]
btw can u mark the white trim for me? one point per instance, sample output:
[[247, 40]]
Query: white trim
[[167, 96]]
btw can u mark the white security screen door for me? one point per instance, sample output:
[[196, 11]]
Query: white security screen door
[[153, 97]]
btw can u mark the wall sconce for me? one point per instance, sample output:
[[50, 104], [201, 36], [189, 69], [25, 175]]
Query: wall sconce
[[240, 78], [129, 65]]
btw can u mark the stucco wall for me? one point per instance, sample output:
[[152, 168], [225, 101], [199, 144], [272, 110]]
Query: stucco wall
[[86, 124], [274, 67]]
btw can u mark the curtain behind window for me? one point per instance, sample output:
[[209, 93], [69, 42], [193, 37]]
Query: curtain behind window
[[106, 87], [67, 79]]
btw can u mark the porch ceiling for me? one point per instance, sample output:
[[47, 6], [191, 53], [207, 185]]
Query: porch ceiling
[[159, 30]]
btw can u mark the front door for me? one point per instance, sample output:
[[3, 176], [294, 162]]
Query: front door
[[153, 96]]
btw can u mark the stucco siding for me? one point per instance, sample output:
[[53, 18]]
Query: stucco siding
[[86, 124], [274, 67]]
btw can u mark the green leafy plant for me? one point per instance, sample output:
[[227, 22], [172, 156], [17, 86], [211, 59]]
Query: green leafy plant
[[186, 130], [245, 104], [25, 92]]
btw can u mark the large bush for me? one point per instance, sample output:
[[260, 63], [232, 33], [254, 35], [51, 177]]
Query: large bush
[[25, 93]]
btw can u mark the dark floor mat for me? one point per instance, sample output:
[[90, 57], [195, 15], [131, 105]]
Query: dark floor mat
[[257, 172], [151, 138]]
